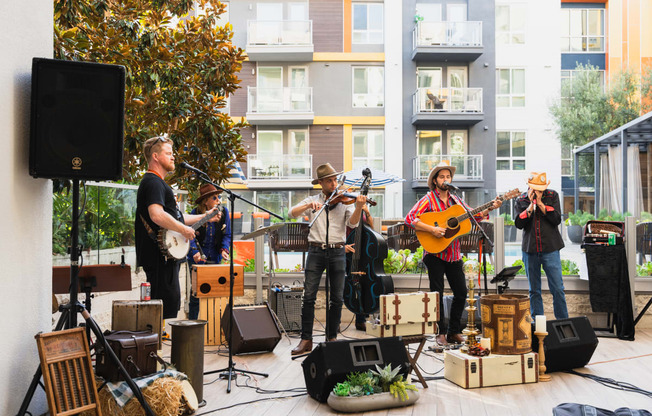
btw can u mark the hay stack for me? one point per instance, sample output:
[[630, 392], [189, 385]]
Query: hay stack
[[164, 397]]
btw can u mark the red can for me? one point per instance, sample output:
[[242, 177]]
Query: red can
[[145, 291]]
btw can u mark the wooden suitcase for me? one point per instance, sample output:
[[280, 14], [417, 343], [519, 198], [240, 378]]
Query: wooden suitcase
[[138, 315], [470, 372], [409, 308], [417, 328]]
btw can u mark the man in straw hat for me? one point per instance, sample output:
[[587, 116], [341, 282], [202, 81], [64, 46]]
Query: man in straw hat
[[538, 214], [156, 208], [449, 261], [213, 238], [340, 216]]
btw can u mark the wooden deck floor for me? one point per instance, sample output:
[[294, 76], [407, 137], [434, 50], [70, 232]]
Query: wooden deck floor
[[623, 361]]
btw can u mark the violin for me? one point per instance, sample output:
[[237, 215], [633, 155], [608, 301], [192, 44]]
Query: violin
[[347, 199]]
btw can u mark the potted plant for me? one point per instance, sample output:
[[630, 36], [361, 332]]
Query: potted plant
[[510, 228], [575, 225], [372, 390]]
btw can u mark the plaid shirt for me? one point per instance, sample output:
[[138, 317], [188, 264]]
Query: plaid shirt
[[432, 202]]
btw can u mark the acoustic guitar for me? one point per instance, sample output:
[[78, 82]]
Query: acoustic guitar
[[174, 244], [456, 221]]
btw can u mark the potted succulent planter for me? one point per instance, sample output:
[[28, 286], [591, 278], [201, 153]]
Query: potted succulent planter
[[372, 390], [510, 228]]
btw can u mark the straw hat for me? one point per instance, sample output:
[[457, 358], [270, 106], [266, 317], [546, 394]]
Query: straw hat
[[324, 171], [205, 191], [537, 181], [444, 164]]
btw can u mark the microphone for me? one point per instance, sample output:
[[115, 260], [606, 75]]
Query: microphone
[[191, 168], [453, 187], [122, 260]]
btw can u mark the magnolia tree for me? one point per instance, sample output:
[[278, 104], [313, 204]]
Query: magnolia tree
[[180, 68]]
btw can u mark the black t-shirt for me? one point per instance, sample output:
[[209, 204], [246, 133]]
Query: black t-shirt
[[152, 190]]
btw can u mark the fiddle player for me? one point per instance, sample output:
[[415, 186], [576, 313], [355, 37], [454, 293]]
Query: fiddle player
[[156, 208], [449, 261], [340, 216]]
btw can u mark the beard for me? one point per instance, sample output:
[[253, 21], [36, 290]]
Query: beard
[[441, 187]]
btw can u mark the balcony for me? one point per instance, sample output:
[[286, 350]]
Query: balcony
[[266, 170], [449, 106], [447, 41], [284, 40], [279, 106], [468, 172]]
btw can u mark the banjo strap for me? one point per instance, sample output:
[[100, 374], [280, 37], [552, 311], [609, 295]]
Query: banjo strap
[[148, 228]]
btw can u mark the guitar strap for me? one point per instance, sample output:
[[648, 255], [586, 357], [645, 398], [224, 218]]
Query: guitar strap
[[148, 228]]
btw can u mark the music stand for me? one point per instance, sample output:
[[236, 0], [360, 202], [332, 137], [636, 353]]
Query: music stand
[[505, 276]]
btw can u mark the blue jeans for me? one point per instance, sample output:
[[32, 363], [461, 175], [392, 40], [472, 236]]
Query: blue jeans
[[315, 266], [551, 263]]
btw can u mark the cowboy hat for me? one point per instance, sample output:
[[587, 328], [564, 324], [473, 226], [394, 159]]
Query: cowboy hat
[[205, 191], [444, 164], [324, 171], [537, 181]]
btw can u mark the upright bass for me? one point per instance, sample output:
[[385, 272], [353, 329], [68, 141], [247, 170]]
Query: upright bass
[[365, 277]]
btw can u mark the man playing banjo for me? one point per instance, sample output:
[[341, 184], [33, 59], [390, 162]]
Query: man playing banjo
[[156, 208]]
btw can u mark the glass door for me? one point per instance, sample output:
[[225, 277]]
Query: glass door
[[429, 89], [457, 83], [298, 158], [270, 89], [299, 91], [428, 151], [269, 152], [457, 148]]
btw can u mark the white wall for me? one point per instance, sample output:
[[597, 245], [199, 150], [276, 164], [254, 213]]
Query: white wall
[[26, 208], [541, 59]]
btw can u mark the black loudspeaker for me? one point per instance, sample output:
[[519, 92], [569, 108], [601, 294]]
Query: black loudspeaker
[[330, 362], [254, 329], [77, 120], [570, 343]]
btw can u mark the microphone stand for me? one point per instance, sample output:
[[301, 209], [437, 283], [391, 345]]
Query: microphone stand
[[229, 372], [483, 237], [326, 208]]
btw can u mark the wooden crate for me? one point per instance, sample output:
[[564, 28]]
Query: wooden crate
[[138, 315], [470, 372], [211, 310], [406, 308]]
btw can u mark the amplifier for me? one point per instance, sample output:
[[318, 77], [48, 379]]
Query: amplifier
[[286, 304]]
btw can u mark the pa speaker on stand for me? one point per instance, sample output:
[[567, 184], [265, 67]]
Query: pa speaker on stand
[[77, 120]]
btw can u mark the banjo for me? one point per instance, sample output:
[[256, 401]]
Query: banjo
[[174, 244]]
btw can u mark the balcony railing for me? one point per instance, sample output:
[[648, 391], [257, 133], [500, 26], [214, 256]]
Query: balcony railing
[[468, 167], [277, 166], [452, 100], [279, 32], [279, 100], [454, 34]]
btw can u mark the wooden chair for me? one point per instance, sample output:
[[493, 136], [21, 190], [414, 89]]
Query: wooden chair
[[67, 372], [291, 238], [402, 236]]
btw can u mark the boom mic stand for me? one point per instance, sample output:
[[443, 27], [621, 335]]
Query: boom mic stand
[[229, 371], [69, 312], [483, 237]]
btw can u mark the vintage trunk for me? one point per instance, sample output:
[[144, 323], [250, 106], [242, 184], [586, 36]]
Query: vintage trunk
[[409, 308], [138, 315], [506, 320], [135, 350], [470, 372], [418, 328]]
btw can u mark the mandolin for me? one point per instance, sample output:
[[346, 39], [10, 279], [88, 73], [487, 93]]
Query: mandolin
[[456, 221], [174, 245]]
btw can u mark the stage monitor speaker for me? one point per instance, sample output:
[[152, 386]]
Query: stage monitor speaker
[[570, 343], [77, 120], [330, 362], [254, 329]]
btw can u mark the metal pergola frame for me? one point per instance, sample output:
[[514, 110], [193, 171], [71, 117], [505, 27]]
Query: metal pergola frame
[[638, 131]]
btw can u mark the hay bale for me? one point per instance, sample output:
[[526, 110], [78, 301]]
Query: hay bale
[[164, 397]]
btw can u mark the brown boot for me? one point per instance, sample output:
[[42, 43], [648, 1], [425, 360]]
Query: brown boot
[[455, 338], [441, 339], [304, 346]]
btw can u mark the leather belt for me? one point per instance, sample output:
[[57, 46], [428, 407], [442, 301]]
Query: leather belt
[[324, 246]]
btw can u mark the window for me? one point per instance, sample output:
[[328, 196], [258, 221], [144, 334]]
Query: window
[[568, 77], [582, 30], [368, 149], [367, 23], [566, 161], [457, 150], [510, 24], [429, 150], [511, 87], [510, 152], [369, 87]]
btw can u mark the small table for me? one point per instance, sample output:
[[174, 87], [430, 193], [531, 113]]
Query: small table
[[421, 340]]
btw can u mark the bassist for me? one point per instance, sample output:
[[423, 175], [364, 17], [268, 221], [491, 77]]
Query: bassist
[[449, 261], [156, 207]]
